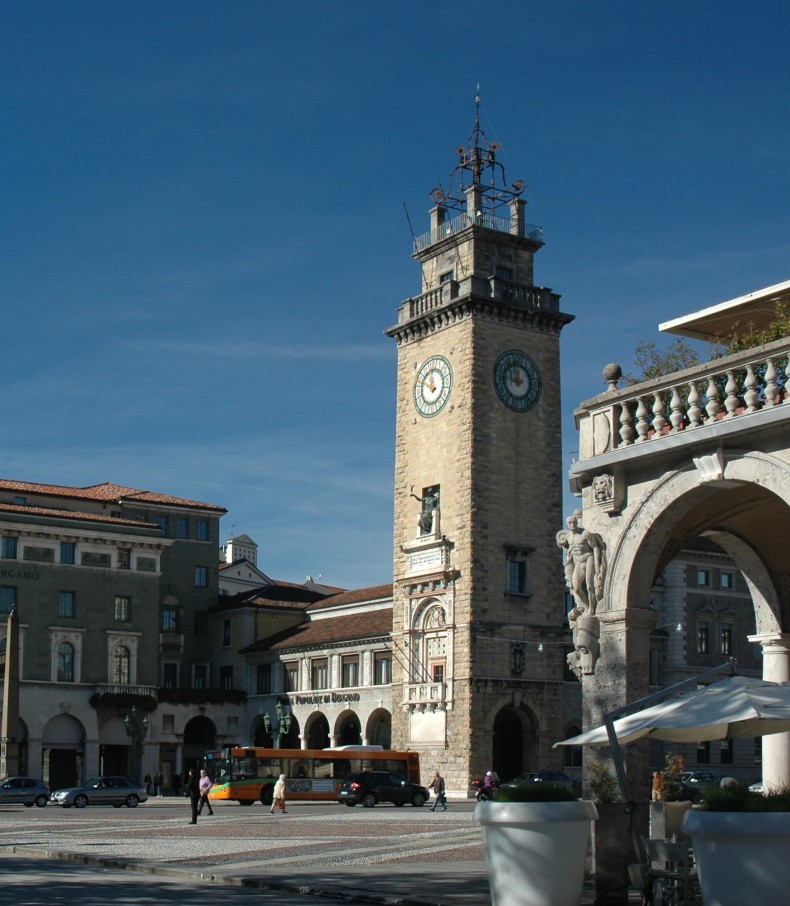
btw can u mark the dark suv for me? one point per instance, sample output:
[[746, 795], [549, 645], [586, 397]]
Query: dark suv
[[370, 787]]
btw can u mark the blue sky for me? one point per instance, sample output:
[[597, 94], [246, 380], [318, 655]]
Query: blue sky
[[204, 235]]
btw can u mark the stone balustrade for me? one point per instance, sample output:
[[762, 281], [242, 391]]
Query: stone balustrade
[[425, 696], [732, 387]]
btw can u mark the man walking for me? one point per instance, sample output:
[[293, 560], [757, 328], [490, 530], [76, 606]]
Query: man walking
[[437, 785], [204, 785]]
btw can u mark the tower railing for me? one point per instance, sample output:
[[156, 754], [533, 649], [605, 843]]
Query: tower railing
[[488, 221]]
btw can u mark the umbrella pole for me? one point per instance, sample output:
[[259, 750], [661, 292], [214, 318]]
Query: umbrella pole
[[728, 668]]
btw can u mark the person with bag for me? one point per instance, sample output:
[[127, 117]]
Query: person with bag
[[278, 795], [205, 786], [437, 785]]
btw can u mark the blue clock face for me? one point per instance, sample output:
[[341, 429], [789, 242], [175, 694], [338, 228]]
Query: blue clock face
[[517, 381], [433, 385]]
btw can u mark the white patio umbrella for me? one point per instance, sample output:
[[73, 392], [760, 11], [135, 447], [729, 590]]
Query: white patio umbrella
[[732, 707]]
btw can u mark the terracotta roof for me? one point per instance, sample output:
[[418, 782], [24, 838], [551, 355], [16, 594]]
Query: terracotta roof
[[104, 492], [357, 596], [76, 515], [350, 627]]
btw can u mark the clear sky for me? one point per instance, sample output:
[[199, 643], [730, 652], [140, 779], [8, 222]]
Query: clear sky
[[204, 236]]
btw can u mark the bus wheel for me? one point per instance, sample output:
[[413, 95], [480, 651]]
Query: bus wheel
[[267, 794]]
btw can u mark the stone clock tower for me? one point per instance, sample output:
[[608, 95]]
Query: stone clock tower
[[479, 599]]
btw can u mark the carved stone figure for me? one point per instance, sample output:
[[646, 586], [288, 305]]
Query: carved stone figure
[[585, 572], [430, 504], [585, 565], [586, 635]]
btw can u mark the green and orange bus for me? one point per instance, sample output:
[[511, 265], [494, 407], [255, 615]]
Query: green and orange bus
[[247, 774]]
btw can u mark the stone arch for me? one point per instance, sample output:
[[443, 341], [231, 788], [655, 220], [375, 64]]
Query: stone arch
[[348, 730], [736, 513], [378, 731], [514, 741], [430, 648], [200, 734], [316, 731], [62, 743]]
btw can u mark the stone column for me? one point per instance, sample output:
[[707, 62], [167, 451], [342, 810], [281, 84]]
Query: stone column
[[776, 746]]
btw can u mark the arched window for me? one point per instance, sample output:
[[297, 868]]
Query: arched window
[[65, 663], [120, 665]]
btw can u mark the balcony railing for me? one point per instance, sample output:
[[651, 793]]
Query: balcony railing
[[115, 689], [734, 387], [464, 220], [425, 696], [168, 638]]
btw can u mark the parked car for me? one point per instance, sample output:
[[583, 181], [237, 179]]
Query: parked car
[[25, 791], [756, 787], [370, 787], [115, 791], [696, 782], [539, 777]]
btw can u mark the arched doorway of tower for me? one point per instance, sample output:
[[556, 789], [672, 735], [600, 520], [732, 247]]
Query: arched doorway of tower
[[514, 742], [317, 731], [379, 732], [347, 730], [62, 745], [200, 734]]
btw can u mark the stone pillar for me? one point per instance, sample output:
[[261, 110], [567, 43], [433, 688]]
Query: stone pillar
[[776, 746]]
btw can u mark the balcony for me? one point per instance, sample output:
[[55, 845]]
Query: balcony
[[486, 221], [722, 402], [426, 697], [115, 689], [169, 638]]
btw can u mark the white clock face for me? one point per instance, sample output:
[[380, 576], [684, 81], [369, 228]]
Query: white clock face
[[433, 385]]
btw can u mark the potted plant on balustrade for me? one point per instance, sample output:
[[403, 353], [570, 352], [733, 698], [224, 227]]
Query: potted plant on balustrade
[[666, 814], [741, 842], [536, 836], [612, 848]]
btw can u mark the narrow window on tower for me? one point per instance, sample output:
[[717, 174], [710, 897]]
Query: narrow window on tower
[[518, 573]]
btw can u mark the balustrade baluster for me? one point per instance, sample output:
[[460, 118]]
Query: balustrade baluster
[[751, 396], [732, 399], [676, 414], [694, 411], [712, 393], [659, 422], [771, 388], [626, 425], [642, 424]]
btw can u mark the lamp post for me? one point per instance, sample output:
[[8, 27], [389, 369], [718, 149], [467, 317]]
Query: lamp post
[[283, 719], [136, 731]]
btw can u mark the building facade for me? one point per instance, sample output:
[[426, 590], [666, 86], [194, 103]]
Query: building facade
[[478, 598], [112, 587]]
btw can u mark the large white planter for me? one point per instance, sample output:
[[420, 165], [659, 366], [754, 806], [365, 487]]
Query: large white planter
[[536, 851], [742, 857]]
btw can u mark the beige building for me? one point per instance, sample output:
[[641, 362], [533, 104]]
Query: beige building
[[479, 599]]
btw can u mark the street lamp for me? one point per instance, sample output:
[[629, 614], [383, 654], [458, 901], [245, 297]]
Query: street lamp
[[283, 717], [136, 731]]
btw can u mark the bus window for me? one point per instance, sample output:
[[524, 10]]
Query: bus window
[[299, 769], [323, 768], [269, 767], [342, 768]]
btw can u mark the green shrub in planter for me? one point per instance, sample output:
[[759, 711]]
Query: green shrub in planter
[[741, 799], [603, 786], [532, 791]]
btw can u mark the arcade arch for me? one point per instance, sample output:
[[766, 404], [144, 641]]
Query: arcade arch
[[317, 731], [515, 741], [379, 729], [63, 743]]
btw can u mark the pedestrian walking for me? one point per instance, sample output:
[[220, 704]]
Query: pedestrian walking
[[193, 790], [147, 784], [437, 785], [657, 787], [204, 785], [158, 783], [278, 794]]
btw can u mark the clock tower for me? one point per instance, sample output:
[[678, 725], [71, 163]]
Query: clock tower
[[479, 598]]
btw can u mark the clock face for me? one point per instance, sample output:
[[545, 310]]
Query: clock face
[[433, 385], [517, 381]]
